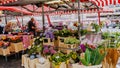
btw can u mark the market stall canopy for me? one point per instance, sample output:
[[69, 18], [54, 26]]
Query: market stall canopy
[[101, 3], [14, 10], [20, 2]]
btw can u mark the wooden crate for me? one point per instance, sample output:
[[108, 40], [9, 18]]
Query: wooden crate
[[47, 41]]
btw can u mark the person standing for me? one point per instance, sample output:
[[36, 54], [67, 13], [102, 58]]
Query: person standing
[[1, 27], [31, 26]]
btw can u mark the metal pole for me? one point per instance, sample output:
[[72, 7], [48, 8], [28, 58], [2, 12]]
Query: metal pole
[[79, 26], [43, 18]]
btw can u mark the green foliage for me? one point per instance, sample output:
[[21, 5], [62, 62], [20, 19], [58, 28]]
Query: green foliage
[[83, 32], [105, 35], [96, 27], [71, 41], [73, 57], [36, 47], [63, 33], [92, 57]]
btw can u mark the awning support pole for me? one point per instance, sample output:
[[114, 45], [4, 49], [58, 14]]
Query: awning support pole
[[79, 25], [43, 18]]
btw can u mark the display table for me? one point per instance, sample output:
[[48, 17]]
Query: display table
[[33, 63], [4, 52], [82, 66], [16, 47]]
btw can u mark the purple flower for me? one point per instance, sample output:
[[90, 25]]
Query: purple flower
[[83, 48]]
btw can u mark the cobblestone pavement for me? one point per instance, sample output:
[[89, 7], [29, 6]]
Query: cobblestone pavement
[[11, 63]]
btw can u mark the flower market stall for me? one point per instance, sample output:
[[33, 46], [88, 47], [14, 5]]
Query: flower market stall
[[63, 48]]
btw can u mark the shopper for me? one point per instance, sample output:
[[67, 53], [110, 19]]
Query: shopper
[[8, 27], [1, 27], [31, 26]]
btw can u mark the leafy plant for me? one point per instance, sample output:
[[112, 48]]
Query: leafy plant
[[36, 47], [92, 57], [83, 32], [105, 35], [73, 57], [96, 27], [71, 41], [63, 33], [58, 58]]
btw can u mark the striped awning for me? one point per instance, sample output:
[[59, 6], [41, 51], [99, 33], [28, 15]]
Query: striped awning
[[103, 3], [7, 1]]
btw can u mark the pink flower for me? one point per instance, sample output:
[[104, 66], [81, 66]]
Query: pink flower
[[51, 48], [45, 51], [53, 51]]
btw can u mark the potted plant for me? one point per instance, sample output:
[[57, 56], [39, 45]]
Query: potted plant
[[48, 51], [71, 42], [92, 58], [58, 60]]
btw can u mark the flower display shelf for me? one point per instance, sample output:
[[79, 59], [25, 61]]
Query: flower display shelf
[[27, 62], [67, 48], [16, 47], [61, 40], [47, 41], [4, 52], [45, 65], [33, 63], [82, 66], [62, 65]]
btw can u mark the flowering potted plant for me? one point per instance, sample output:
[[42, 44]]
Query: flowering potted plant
[[49, 50], [58, 60], [36, 48]]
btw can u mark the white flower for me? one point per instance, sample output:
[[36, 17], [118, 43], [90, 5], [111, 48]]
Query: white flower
[[57, 57]]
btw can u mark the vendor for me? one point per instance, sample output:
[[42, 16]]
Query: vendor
[[31, 26]]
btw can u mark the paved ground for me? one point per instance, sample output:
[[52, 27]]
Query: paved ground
[[11, 63]]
